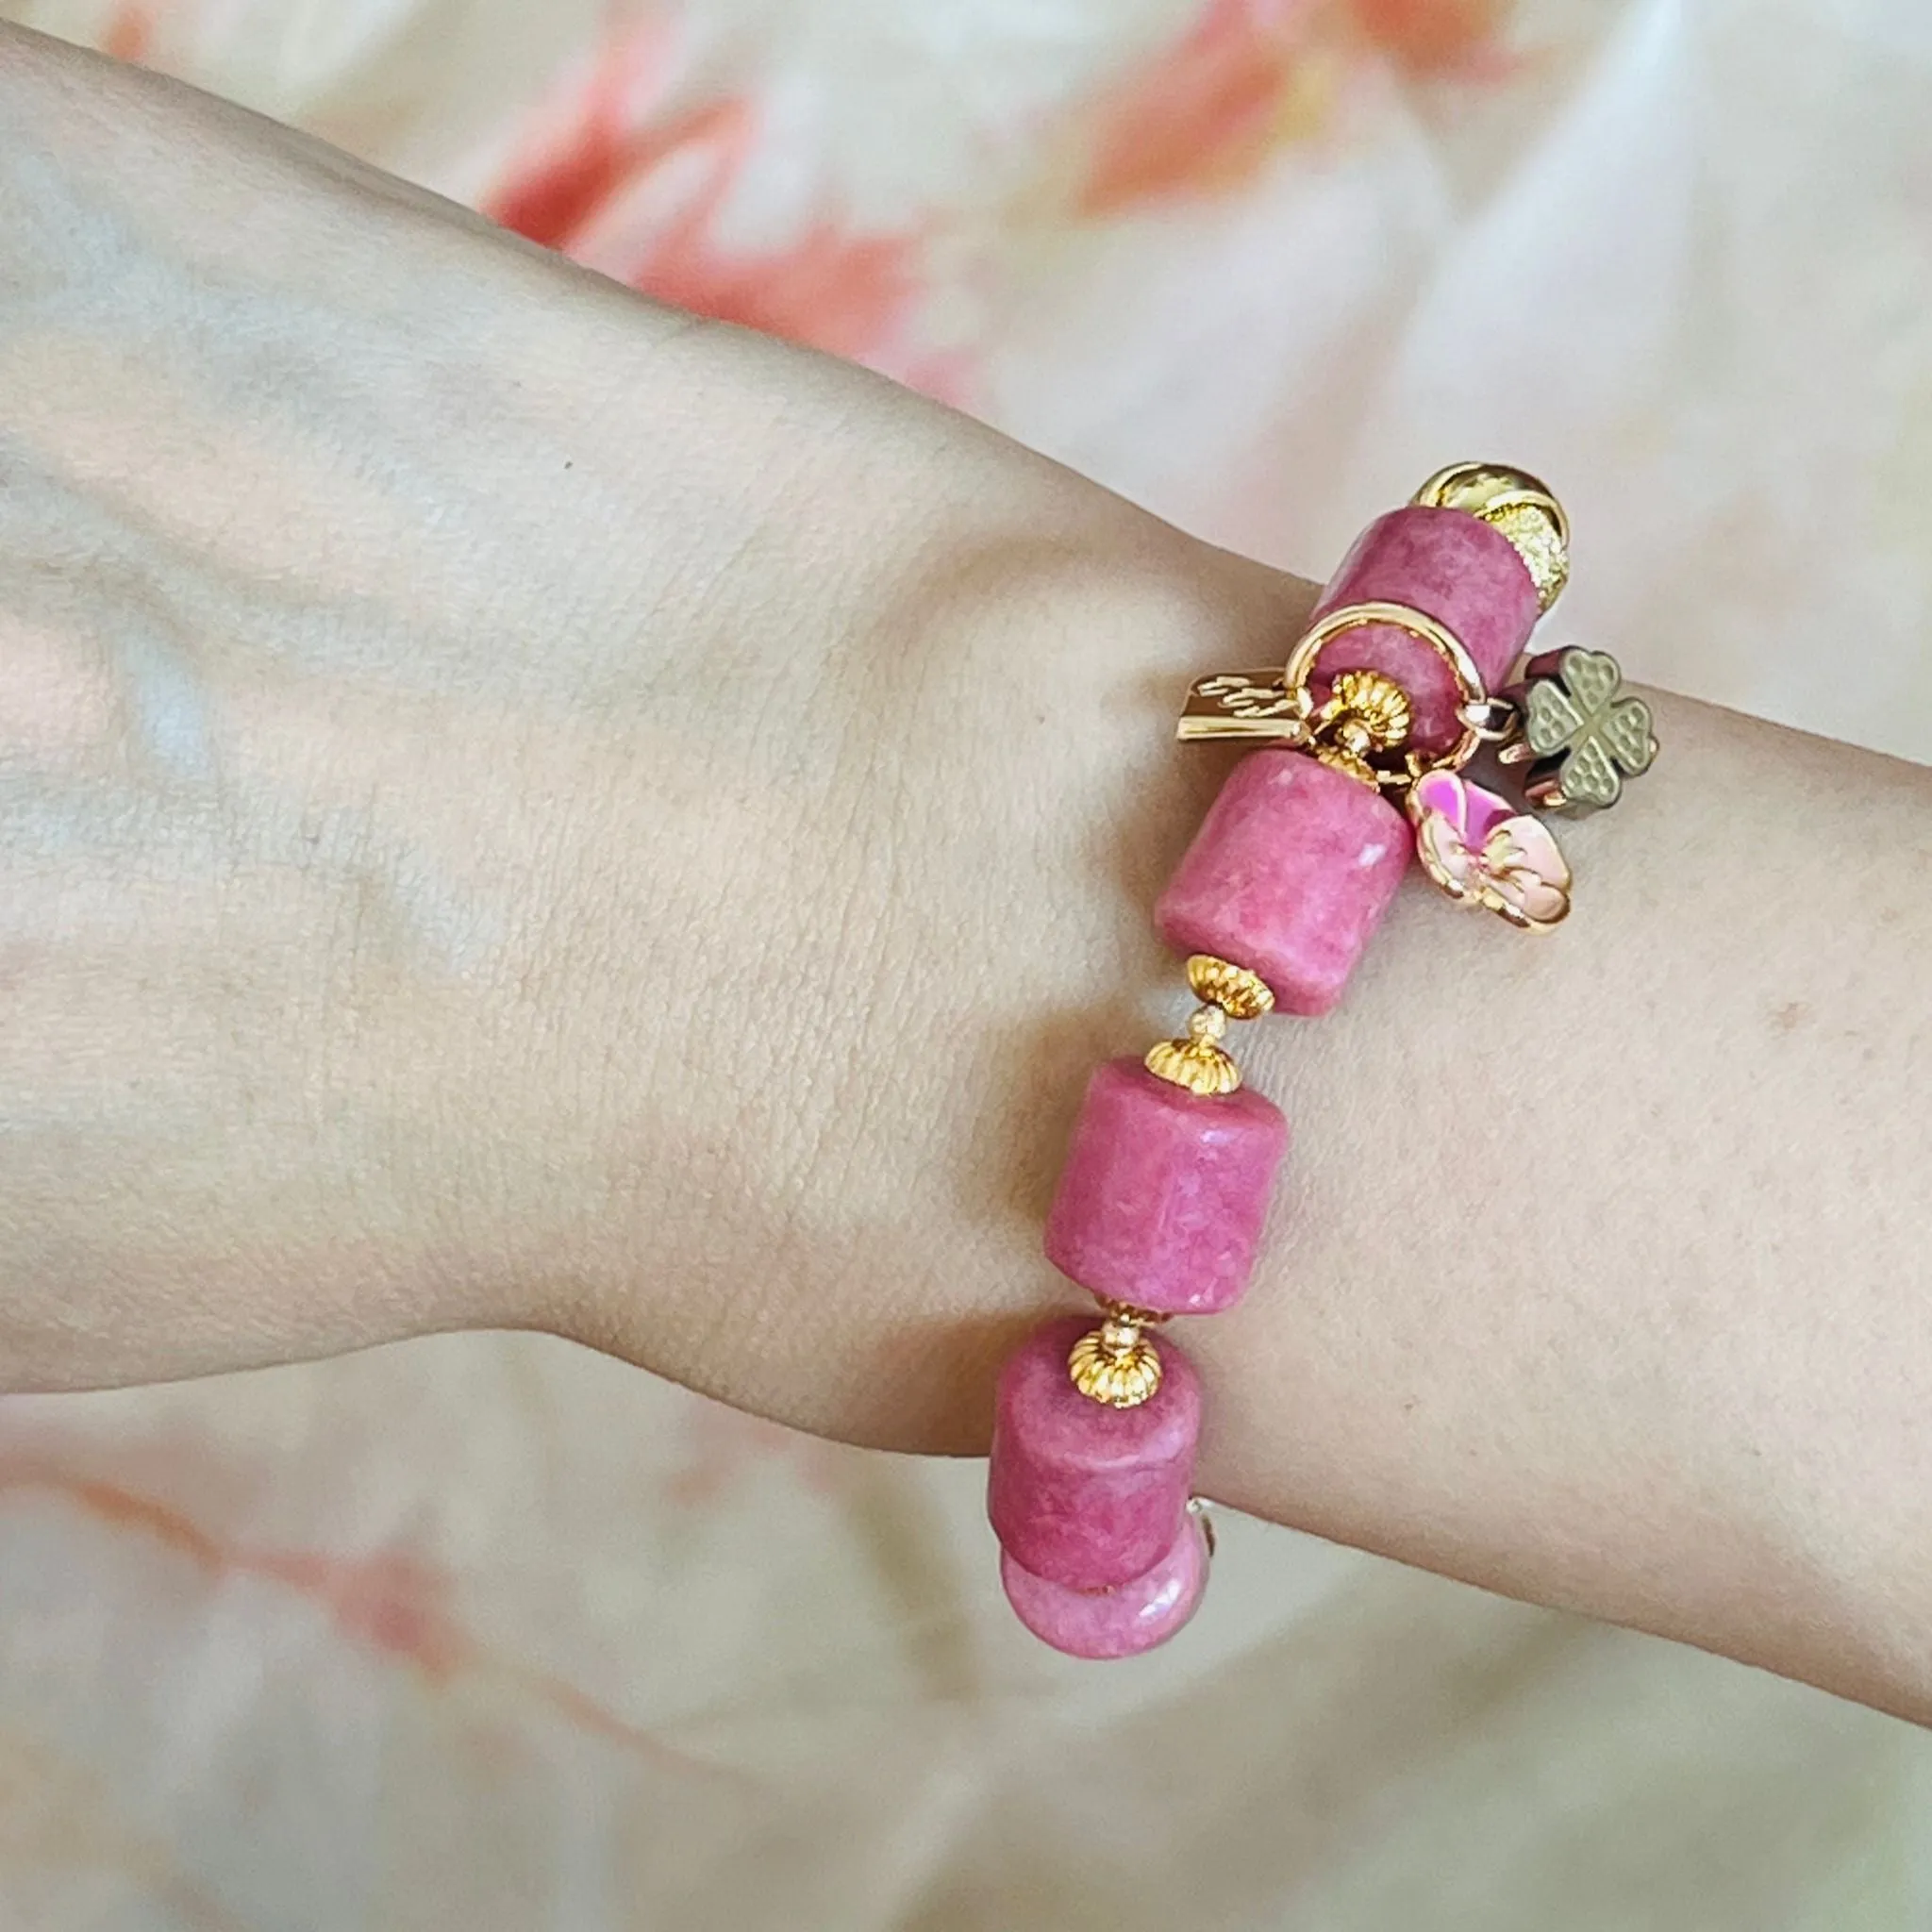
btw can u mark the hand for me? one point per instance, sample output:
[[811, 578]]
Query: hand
[[522, 809]]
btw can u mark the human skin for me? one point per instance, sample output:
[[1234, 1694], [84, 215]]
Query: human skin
[[517, 808]]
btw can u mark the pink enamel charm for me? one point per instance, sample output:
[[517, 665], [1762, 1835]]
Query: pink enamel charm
[[1289, 875], [1121, 1622], [1481, 852], [1080, 1494]]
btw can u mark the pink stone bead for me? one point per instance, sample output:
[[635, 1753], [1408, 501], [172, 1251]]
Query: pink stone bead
[[1162, 1197], [1450, 566], [1082, 1496], [1121, 1622], [1291, 872]]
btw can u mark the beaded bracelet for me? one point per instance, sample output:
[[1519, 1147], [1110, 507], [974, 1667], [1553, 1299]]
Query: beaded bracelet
[[1394, 688]]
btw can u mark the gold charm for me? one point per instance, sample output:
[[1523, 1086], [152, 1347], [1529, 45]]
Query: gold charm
[[1116, 1364], [1518, 506], [1246, 704], [1583, 732]]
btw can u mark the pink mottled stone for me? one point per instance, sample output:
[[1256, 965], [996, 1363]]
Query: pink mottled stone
[[1450, 566], [1163, 1194], [1082, 1496], [1121, 1622], [1291, 872]]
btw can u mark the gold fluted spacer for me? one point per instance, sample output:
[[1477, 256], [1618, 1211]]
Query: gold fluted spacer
[[1366, 713], [1240, 994], [1372, 709], [1519, 506], [1115, 1364], [1198, 1065]]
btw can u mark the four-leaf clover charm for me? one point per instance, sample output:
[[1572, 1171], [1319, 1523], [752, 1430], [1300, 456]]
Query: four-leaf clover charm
[[1585, 735]]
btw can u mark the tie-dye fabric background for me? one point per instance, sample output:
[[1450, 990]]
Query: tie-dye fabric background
[[486, 1633]]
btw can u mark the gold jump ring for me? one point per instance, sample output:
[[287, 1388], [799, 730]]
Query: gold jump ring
[[1419, 624]]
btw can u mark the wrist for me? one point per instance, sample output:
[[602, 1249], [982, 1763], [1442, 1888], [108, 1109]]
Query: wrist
[[911, 903]]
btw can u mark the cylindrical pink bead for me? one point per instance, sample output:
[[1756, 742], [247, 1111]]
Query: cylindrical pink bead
[[1121, 1622], [1450, 566], [1084, 1496], [1291, 872], [1162, 1197]]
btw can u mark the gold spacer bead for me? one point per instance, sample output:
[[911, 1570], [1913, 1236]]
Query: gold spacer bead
[[1366, 713], [1371, 712], [1115, 1365], [1354, 738], [1137, 1318], [1240, 994], [1208, 1023], [1198, 1065], [1517, 505]]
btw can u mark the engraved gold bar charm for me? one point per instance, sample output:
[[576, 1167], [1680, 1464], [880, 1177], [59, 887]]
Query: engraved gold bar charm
[[1255, 706]]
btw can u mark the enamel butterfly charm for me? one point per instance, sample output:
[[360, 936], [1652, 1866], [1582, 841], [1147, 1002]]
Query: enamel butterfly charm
[[1482, 852]]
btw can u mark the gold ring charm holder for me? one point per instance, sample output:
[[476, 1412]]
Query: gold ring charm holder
[[1369, 713], [1305, 660]]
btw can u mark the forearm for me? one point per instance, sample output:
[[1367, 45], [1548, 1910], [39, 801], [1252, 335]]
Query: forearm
[[1600, 1275]]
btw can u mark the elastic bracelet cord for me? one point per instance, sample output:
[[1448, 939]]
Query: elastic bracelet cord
[[1415, 659]]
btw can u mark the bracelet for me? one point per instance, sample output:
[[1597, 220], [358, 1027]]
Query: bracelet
[[1403, 674]]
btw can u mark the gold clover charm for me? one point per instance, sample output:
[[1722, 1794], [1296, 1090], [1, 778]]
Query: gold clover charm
[[1584, 733]]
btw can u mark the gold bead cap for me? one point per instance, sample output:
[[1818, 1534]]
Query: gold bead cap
[[1520, 508], [1199, 1065], [1200, 1062], [1240, 993], [1116, 1365], [1366, 714]]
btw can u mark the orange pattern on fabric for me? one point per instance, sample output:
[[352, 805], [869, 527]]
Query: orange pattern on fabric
[[1205, 114], [1435, 36], [130, 33], [843, 292], [387, 1602], [1201, 116]]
